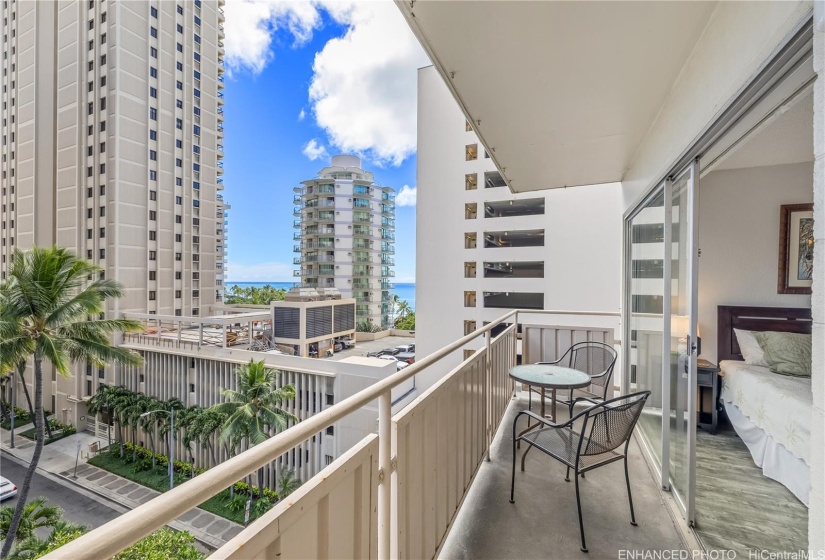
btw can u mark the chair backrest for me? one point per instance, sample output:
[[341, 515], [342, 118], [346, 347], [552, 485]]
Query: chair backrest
[[610, 424], [597, 360]]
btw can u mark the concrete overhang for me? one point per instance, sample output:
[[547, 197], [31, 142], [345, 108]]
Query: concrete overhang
[[560, 93]]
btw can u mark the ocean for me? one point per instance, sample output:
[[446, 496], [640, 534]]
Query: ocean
[[406, 292]]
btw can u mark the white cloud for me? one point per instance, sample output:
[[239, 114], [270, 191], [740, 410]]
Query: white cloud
[[264, 272], [363, 89], [250, 25], [302, 115], [314, 150], [406, 196]]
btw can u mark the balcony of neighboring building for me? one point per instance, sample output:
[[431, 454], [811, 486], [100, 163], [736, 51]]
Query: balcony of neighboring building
[[514, 269], [514, 208], [361, 257], [514, 238], [361, 217], [361, 191], [361, 231]]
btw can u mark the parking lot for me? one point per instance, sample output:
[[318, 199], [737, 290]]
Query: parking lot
[[364, 347]]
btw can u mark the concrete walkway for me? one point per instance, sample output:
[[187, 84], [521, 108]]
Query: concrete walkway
[[59, 457]]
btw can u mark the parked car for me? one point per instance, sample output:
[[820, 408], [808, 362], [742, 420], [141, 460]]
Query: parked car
[[7, 489], [338, 346], [384, 352], [406, 357], [407, 348], [399, 365]]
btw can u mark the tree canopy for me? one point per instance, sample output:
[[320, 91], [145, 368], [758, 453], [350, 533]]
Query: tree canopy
[[254, 295]]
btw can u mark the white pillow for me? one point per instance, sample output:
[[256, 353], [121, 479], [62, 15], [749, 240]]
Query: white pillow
[[750, 348]]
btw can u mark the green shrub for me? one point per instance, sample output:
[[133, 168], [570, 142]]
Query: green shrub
[[238, 503]]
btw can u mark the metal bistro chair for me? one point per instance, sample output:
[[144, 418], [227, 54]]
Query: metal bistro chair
[[606, 427], [596, 359]]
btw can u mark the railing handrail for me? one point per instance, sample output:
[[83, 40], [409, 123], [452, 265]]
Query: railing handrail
[[123, 531]]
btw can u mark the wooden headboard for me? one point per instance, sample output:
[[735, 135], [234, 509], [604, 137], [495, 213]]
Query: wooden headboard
[[783, 319]]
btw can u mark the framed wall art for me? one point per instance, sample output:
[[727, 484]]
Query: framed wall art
[[796, 249]]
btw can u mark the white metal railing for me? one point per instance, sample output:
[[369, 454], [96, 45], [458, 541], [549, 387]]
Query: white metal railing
[[376, 514]]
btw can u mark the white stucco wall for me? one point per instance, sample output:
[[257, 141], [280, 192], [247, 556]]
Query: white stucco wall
[[739, 239], [739, 38], [581, 255]]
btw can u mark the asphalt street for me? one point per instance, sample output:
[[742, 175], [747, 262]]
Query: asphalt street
[[78, 505]]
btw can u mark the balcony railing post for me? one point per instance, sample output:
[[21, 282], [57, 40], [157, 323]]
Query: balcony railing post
[[384, 474], [488, 370], [515, 351]]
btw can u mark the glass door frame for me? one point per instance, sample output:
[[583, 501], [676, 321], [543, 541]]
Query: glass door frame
[[688, 501]]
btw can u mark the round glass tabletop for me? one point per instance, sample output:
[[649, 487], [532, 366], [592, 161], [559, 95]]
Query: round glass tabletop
[[552, 377]]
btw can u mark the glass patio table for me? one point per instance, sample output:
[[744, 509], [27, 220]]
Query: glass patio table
[[547, 376]]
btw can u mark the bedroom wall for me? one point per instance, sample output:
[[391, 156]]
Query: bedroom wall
[[739, 239]]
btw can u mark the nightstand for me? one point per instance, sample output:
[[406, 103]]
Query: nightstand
[[708, 378]]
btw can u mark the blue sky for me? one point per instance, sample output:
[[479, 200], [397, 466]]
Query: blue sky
[[307, 80]]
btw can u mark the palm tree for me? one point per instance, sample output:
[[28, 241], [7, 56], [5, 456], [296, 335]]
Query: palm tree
[[106, 400], [403, 309], [35, 515], [163, 421], [149, 423], [32, 547], [49, 309], [254, 409], [393, 304], [186, 432], [206, 424], [287, 483], [121, 404], [136, 405]]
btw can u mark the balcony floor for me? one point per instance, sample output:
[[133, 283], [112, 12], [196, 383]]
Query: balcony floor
[[543, 521]]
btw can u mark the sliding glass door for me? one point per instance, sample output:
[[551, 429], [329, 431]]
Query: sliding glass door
[[681, 194], [645, 247], [660, 323]]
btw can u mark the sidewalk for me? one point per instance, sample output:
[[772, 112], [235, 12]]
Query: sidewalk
[[58, 459]]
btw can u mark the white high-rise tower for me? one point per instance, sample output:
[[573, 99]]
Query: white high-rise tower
[[346, 236]]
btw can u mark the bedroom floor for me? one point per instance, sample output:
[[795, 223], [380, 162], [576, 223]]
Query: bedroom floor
[[737, 507]]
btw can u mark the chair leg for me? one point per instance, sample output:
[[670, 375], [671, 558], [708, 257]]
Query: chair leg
[[629, 495], [567, 475], [579, 506], [513, 476]]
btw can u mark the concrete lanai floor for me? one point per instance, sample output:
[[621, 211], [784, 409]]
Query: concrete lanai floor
[[543, 522]]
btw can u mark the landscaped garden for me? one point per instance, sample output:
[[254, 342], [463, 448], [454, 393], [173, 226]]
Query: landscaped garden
[[249, 414], [59, 430], [157, 478]]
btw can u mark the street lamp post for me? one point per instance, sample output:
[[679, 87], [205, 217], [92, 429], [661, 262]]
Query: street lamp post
[[171, 462]]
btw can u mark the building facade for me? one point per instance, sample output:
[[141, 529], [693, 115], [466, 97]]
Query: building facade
[[112, 147], [482, 250], [345, 236]]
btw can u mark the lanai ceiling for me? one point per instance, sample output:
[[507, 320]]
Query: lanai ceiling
[[564, 91]]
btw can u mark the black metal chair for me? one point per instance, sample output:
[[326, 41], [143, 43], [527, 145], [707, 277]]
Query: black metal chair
[[605, 428], [597, 360]]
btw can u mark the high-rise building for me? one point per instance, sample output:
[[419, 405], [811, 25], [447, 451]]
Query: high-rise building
[[482, 251], [112, 147], [346, 236]]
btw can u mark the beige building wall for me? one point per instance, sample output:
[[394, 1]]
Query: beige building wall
[[112, 147]]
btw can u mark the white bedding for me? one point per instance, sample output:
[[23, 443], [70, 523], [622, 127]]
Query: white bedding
[[779, 404]]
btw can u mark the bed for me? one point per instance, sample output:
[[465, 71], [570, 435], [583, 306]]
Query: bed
[[771, 413]]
